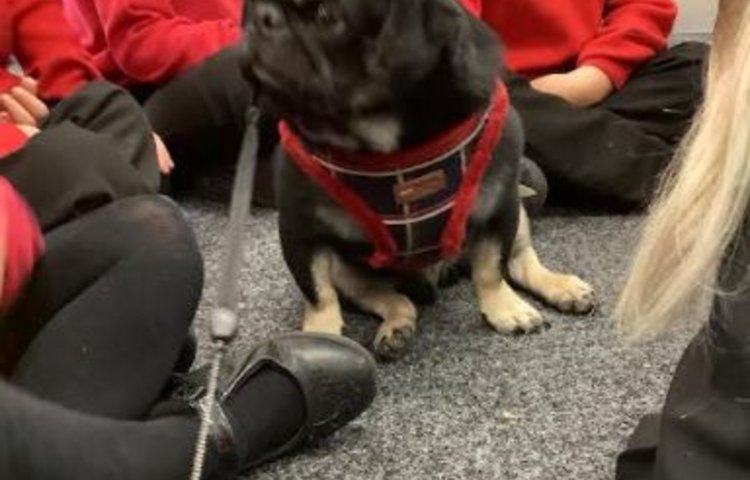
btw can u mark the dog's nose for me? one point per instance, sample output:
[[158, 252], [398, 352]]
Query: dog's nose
[[267, 17]]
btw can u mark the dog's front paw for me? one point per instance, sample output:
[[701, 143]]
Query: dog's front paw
[[394, 337], [323, 320], [570, 294], [514, 316]]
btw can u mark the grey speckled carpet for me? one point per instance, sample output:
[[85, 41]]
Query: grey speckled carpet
[[467, 403]]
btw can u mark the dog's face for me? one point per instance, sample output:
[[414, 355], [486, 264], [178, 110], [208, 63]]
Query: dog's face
[[354, 72]]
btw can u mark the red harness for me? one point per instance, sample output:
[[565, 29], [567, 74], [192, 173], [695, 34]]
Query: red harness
[[414, 204]]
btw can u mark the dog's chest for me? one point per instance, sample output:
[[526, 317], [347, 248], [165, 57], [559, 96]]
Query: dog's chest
[[412, 206]]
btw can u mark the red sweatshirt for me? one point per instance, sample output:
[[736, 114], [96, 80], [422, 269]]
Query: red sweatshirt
[[20, 244], [151, 41], [11, 138], [555, 36], [35, 32]]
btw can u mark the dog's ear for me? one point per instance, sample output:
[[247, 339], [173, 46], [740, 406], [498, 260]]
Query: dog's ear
[[471, 48], [403, 50], [419, 36]]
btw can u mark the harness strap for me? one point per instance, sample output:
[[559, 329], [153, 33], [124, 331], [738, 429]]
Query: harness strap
[[455, 231]]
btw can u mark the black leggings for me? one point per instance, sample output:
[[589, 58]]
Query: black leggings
[[43, 441], [107, 314], [110, 305], [109, 308]]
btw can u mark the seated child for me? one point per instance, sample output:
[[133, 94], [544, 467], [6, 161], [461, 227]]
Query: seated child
[[603, 100], [690, 270], [91, 343], [179, 59], [93, 146]]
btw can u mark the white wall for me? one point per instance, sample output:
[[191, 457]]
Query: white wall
[[696, 16]]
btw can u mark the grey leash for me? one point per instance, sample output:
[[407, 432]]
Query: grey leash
[[224, 323]]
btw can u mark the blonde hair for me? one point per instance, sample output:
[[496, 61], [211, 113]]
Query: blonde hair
[[703, 201]]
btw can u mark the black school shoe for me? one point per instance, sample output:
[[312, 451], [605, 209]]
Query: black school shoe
[[534, 187], [336, 376]]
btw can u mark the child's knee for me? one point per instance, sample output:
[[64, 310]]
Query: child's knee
[[160, 229]]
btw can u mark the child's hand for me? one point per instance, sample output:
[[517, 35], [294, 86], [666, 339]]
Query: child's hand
[[582, 87], [23, 105], [166, 165], [28, 130]]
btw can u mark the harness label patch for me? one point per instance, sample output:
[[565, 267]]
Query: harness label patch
[[420, 187]]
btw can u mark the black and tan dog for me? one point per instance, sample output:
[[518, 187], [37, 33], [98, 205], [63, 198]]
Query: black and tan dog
[[402, 158]]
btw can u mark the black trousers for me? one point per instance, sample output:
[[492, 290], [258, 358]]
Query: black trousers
[[200, 115], [95, 147], [612, 154], [111, 305]]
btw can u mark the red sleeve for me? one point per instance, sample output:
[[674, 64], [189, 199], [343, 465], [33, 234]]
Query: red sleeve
[[151, 43], [633, 31], [7, 80], [46, 48], [474, 6], [21, 243], [11, 139]]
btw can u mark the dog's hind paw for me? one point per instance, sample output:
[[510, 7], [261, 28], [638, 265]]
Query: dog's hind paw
[[394, 338]]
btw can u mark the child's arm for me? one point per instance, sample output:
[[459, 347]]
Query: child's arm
[[632, 32], [47, 49], [583, 87], [152, 44], [12, 137], [13, 134]]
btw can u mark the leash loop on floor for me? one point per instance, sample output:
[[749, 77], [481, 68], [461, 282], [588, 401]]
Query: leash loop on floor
[[223, 321]]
